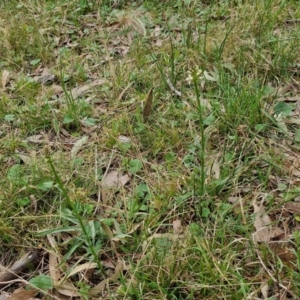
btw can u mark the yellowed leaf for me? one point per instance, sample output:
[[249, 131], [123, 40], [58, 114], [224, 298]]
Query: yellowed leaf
[[52, 241]]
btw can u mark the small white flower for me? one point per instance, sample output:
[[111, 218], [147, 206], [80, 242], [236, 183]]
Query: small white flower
[[278, 117], [189, 78], [196, 73]]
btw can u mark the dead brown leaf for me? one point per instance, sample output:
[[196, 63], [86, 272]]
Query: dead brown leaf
[[5, 78], [120, 267], [47, 77], [157, 31], [33, 201], [284, 89], [54, 269], [177, 227], [264, 288], [115, 179], [36, 139], [78, 91], [262, 224], [293, 207], [57, 89], [148, 105], [22, 294], [80, 268], [67, 289], [285, 253]]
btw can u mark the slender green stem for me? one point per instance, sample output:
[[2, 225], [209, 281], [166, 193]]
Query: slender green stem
[[77, 215]]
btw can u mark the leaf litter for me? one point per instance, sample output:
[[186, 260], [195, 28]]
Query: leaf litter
[[265, 229], [110, 184]]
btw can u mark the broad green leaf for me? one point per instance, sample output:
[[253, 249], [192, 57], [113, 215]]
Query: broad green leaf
[[34, 62], [209, 120], [41, 282], [45, 185], [297, 135], [23, 201], [89, 121], [14, 173], [68, 119], [9, 118], [135, 166], [283, 108]]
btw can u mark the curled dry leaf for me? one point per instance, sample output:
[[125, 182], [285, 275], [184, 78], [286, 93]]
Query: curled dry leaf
[[172, 88]]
